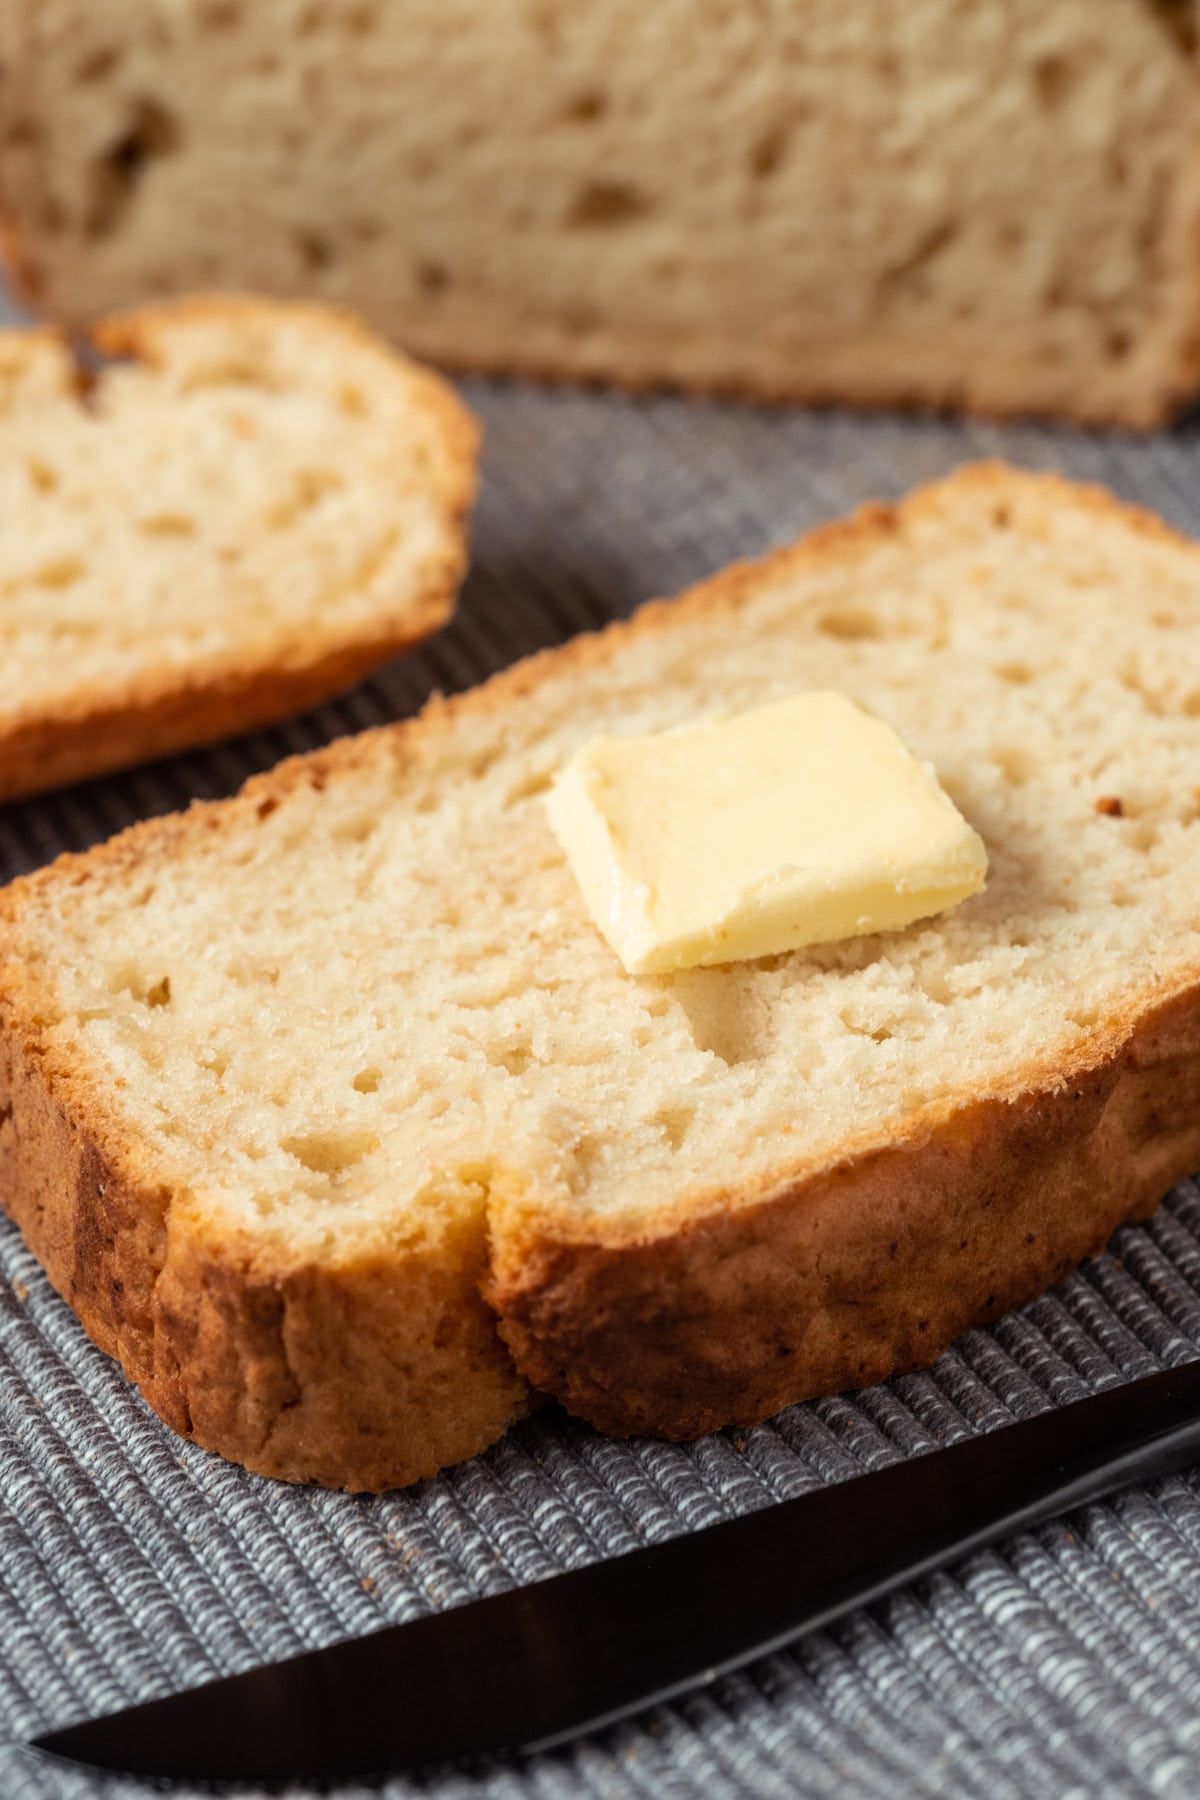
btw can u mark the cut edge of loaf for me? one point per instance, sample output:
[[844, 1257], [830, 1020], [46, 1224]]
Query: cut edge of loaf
[[856, 372], [102, 729], [996, 1197]]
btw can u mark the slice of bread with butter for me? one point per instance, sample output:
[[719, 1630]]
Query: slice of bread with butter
[[337, 1119], [245, 507]]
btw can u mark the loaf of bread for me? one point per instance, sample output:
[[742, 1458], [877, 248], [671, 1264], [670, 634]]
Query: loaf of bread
[[336, 1119], [241, 510], [993, 203]]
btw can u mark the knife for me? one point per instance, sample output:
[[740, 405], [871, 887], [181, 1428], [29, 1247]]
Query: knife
[[531, 1668]]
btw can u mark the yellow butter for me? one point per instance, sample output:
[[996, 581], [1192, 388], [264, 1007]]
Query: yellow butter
[[797, 823]]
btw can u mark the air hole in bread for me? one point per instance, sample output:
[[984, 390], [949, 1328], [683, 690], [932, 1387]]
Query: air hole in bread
[[601, 203], [529, 787], [724, 1012], [1053, 78], [62, 572], [1019, 674], [168, 524], [769, 152], [1015, 762], [675, 1122], [315, 252], [1135, 679], [591, 104], [366, 1081], [220, 15], [97, 65], [432, 277], [850, 623], [330, 1152], [1179, 18], [356, 828], [1142, 834], [909, 269], [43, 476], [150, 134], [309, 487], [147, 990]]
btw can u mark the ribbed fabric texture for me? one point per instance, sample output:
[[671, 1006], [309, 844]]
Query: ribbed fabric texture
[[1066, 1663]]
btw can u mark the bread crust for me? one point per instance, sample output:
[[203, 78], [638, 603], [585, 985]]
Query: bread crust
[[951, 396], [716, 1310], [853, 1273], [364, 1372], [102, 729]]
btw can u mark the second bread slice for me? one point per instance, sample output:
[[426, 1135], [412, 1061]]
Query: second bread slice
[[248, 507]]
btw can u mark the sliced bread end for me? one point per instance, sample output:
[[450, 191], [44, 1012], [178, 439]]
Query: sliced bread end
[[245, 508]]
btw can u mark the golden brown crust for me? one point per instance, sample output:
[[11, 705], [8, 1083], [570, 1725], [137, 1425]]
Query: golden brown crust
[[953, 397], [717, 1310], [859, 1271], [102, 730], [363, 1373], [100, 735]]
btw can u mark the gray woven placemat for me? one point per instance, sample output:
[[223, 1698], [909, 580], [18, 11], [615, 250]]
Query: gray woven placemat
[[1067, 1663]]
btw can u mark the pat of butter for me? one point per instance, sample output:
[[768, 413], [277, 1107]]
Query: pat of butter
[[798, 823]]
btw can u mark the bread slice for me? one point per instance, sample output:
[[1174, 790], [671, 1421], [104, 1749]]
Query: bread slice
[[990, 203], [244, 509], [336, 1120]]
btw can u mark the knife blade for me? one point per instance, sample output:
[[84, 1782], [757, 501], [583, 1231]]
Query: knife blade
[[531, 1668]]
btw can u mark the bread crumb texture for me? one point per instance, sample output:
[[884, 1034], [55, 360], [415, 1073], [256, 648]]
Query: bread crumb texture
[[238, 509], [990, 202], [308, 1070]]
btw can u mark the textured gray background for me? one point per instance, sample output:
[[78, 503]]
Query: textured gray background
[[1067, 1663]]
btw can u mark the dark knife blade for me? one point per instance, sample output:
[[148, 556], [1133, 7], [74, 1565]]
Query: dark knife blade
[[529, 1669]]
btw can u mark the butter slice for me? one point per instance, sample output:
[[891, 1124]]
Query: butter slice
[[797, 823]]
